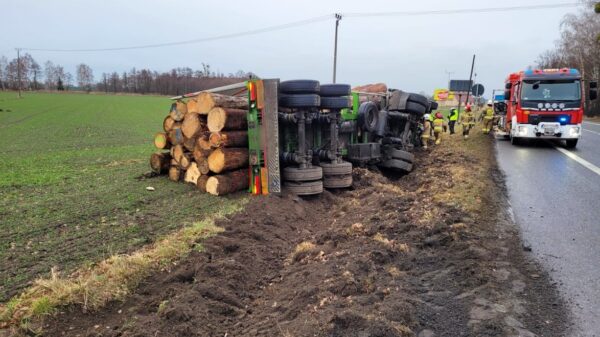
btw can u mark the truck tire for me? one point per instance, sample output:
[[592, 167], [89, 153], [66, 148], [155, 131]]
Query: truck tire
[[300, 101], [341, 181], [304, 188], [401, 154], [336, 102], [415, 108], [335, 90], [336, 169], [305, 174], [571, 143], [419, 99], [396, 164], [299, 87], [368, 116]]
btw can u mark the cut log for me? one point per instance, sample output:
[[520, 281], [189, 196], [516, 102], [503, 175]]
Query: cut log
[[177, 152], [203, 143], [175, 173], [192, 106], [206, 101], [178, 111], [168, 123], [192, 174], [160, 162], [185, 161], [200, 154], [229, 139], [192, 125], [227, 159], [227, 119], [176, 135], [173, 161], [189, 143], [201, 183], [203, 165], [161, 141], [227, 183]]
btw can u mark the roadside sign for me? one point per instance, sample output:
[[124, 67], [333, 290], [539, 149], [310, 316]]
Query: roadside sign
[[460, 85], [477, 90]]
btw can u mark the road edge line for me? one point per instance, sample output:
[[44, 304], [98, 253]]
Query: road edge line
[[580, 160]]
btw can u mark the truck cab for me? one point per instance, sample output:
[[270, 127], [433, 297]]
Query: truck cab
[[545, 104]]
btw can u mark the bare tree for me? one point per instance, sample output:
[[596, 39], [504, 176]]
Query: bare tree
[[85, 77], [3, 70]]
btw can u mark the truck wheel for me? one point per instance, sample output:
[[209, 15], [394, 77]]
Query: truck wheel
[[299, 174], [336, 102], [571, 143], [300, 101], [415, 108], [336, 169], [335, 90], [341, 181], [299, 87], [401, 154], [305, 188], [419, 99], [396, 164], [368, 116]]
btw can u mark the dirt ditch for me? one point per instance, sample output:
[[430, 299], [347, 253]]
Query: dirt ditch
[[386, 258]]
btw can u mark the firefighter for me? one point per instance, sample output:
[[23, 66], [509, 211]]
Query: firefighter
[[438, 127], [488, 117], [426, 134], [467, 120], [452, 119], [431, 118]]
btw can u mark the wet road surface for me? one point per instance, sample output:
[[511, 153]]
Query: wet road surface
[[555, 197]]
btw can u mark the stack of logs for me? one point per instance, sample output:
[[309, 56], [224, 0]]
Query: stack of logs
[[207, 139]]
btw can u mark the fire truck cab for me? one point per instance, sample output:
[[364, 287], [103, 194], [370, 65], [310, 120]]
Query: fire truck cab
[[545, 104]]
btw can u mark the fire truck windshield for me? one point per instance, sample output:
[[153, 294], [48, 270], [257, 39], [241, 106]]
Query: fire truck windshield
[[551, 90]]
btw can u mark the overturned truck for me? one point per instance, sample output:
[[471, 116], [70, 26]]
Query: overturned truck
[[305, 136]]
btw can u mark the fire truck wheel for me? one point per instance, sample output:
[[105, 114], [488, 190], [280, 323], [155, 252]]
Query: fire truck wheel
[[368, 116], [300, 101], [341, 181], [415, 108], [400, 154], [336, 169], [299, 87], [302, 174], [304, 188], [335, 90], [336, 102], [396, 164], [571, 143]]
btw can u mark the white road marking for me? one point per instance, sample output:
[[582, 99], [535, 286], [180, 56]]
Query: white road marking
[[580, 160], [598, 133], [586, 122]]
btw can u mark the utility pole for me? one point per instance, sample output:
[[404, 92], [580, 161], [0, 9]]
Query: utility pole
[[19, 70], [338, 17], [469, 90]]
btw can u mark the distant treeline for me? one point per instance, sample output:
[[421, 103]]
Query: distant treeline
[[141, 81], [578, 47]]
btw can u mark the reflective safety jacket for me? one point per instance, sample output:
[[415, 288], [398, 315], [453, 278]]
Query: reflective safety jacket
[[489, 113], [453, 115], [438, 125], [467, 118]]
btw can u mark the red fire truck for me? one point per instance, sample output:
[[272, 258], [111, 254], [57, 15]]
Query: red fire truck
[[545, 104]]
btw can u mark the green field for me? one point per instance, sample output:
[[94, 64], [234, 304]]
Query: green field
[[72, 186]]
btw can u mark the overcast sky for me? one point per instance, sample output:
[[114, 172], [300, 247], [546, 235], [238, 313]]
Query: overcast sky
[[411, 53]]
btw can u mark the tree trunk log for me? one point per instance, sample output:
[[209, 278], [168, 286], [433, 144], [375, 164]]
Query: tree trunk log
[[229, 139], [203, 143], [201, 183], [161, 141], [200, 154], [192, 125], [192, 174], [227, 183], [227, 119], [160, 162], [177, 153], [227, 159], [178, 111], [175, 173], [206, 101], [185, 161], [168, 123], [203, 165], [192, 105], [175, 135], [189, 143]]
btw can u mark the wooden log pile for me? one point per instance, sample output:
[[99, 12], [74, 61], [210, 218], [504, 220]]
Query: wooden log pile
[[204, 142]]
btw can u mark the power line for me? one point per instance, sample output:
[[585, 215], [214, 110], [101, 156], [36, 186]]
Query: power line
[[318, 19], [463, 10], [198, 40]]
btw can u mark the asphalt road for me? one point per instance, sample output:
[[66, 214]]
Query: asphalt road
[[555, 197]]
